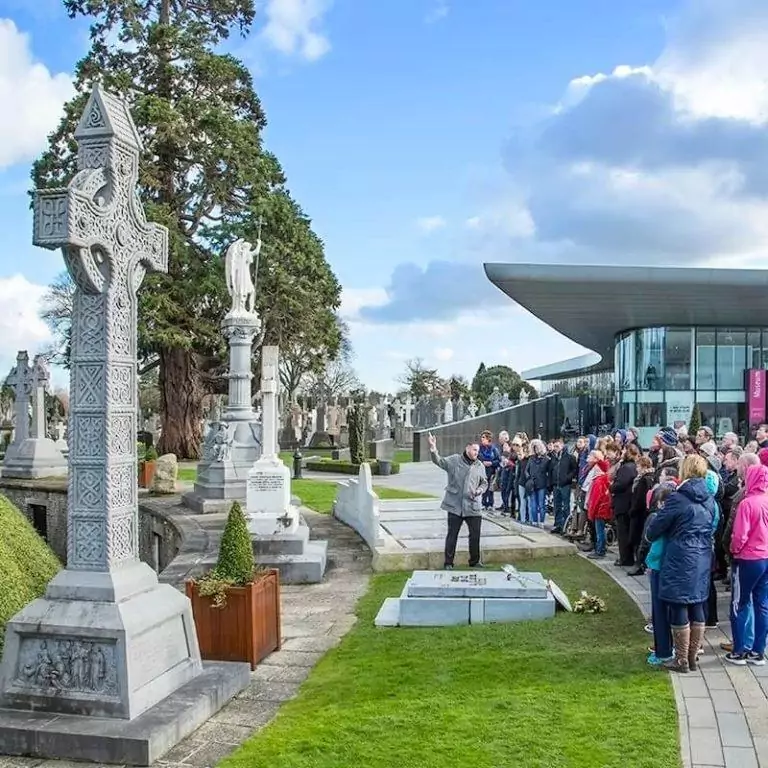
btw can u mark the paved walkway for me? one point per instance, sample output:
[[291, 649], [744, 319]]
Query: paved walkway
[[722, 709], [315, 618]]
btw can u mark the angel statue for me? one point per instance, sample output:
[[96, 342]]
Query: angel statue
[[240, 257]]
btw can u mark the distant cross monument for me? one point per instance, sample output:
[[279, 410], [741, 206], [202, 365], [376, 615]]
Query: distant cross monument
[[35, 455], [106, 610]]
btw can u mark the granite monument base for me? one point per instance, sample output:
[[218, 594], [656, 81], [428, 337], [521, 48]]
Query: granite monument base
[[101, 644], [449, 598], [36, 457], [219, 483], [140, 741]]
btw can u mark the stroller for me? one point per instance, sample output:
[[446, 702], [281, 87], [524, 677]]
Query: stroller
[[575, 518]]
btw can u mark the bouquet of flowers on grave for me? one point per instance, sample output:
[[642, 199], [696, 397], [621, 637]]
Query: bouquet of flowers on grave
[[589, 604]]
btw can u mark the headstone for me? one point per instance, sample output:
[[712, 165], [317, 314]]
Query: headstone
[[20, 381], [494, 401], [233, 441], [166, 473], [60, 434], [383, 424], [523, 396], [37, 455], [459, 410], [123, 641], [505, 401], [481, 410], [472, 408], [408, 412], [448, 413], [441, 598]]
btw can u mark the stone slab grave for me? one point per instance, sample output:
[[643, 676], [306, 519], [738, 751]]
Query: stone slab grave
[[447, 598], [279, 534], [106, 665], [413, 537]]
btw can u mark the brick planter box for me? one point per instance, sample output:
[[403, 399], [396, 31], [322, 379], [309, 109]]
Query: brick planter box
[[247, 628]]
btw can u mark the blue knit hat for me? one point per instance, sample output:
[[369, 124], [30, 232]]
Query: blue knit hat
[[668, 436], [622, 433]]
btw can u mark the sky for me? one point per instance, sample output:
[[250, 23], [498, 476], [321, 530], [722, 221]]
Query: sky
[[426, 137]]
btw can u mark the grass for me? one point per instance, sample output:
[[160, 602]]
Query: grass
[[571, 692], [318, 494]]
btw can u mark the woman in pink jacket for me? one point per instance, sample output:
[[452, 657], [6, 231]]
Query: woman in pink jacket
[[749, 546]]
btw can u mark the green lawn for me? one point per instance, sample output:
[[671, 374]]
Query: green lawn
[[572, 692], [319, 494]]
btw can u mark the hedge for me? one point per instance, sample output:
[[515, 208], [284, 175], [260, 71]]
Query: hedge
[[347, 467], [27, 563]]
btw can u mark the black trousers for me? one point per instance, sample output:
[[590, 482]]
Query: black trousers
[[711, 614], [626, 555], [454, 526], [636, 525]]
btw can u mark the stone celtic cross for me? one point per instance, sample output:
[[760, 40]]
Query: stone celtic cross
[[20, 380], [40, 383], [108, 246]]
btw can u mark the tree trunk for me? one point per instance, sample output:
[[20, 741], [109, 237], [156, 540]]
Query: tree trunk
[[182, 404]]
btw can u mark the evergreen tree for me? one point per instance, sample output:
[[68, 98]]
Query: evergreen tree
[[695, 424], [206, 176], [235, 561]]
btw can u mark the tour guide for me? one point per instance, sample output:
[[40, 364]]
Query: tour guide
[[466, 484]]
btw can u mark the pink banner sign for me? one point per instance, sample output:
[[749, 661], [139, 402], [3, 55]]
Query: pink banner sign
[[756, 382]]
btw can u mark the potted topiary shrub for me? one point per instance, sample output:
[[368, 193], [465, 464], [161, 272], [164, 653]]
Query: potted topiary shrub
[[236, 606], [147, 466]]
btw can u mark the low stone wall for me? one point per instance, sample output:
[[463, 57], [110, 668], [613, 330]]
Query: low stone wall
[[358, 506], [538, 417], [44, 503]]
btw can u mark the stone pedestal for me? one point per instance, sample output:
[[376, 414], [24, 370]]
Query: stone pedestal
[[234, 442], [36, 457]]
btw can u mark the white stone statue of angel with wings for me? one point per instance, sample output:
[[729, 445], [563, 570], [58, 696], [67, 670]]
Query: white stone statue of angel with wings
[[238, 264]]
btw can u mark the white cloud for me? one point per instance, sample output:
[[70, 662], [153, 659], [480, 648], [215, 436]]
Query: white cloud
[[430, 224], [352, 299], [444, 354], [20, 323], [440, 9], [294, 27], [31, 92]]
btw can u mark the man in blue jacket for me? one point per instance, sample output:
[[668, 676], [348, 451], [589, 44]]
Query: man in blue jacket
[[491, 458]]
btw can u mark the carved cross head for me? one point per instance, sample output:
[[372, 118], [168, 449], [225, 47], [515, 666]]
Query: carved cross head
[[98, 219]]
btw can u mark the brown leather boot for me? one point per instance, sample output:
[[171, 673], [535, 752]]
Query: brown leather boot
[[696, 639], [681, 639]]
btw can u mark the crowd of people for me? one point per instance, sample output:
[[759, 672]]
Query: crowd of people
[[689, 512]]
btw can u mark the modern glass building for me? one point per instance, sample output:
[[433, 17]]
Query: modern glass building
[[664, 339]]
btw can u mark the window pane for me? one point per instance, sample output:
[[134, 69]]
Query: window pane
[[731, 358], [625, 361], [731, 417], [708, 415], [649, 364], [650, 415], [705, 360], [678, 349], [753, 348]]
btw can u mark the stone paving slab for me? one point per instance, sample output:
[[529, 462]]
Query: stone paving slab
[[722, 709]]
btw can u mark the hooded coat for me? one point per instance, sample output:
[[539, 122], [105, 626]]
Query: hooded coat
[[599, 496], [686, 520], [749, 539]]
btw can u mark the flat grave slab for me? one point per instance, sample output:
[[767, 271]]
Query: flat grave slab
[[473, 584]]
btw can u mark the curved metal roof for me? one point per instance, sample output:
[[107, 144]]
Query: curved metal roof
[[591, 304]]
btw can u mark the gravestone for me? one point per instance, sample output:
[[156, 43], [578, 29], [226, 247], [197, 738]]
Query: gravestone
[[448, 412], [442, 598], [233, 440], [280, 536], [20, 381], [91, 659], [495, 400], [37, 455]]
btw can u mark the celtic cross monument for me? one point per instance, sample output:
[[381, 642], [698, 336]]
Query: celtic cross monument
[[107, 639]]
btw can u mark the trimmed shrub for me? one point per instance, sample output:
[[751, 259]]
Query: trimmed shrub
[[357, 422], [347, 467], [28, 563], [235, 563]]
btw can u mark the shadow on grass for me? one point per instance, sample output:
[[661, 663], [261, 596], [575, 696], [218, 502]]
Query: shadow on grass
[[571, 692]]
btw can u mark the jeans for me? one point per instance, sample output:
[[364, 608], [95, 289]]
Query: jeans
[[662, 634], [562, 500], [749, 590], [537, 504], [523, 504], [681, 614], [488, 495], [507, 483], [600, 537], [454, 526]]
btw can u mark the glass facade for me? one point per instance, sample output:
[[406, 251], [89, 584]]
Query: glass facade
[[587, 402], [661, 372]]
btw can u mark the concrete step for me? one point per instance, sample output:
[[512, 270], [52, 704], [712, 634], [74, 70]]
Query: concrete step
[[305, 568], [282, 543]]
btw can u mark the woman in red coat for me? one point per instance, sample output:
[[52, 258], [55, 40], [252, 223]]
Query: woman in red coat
[[599, 506]]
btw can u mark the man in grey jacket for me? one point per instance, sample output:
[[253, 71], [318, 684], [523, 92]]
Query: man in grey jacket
[[466, 484]]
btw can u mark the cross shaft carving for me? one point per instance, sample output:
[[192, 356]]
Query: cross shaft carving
[[108, 247]]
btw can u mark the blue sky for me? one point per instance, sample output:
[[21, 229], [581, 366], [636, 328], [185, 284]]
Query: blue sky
[[425, 137]]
